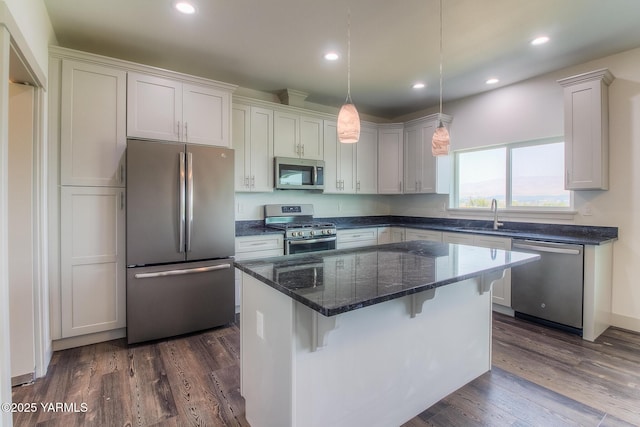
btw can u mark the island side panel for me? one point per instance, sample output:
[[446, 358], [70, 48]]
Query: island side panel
[[381, 367], [378, 367], [598, 268], [266, 354]]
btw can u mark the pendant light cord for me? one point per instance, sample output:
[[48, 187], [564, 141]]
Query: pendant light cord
[[441, 58], [349, 101]]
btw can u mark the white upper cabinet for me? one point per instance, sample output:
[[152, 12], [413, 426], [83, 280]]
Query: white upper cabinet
[[586, 130], [92, 124], [423, 172], [298, 136], [170, 110], [390, 159], [367, 160], [350, 168], [253, 143]]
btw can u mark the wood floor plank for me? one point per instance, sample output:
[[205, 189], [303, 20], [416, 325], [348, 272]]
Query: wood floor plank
[[540, 377], [151, 396]]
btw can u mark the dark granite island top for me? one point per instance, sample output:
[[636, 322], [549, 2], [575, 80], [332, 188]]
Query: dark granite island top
[[338, 281]]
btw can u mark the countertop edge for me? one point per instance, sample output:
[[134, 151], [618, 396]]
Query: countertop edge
[[607, 234]]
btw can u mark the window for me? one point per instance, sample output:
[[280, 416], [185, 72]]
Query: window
[[520, 176]]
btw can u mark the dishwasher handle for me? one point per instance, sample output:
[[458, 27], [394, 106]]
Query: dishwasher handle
[[540, 248]]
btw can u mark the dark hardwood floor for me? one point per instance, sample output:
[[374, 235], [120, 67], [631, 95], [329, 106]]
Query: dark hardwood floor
[[540, 377]]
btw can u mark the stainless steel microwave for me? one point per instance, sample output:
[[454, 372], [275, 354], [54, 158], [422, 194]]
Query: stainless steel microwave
[[298, 174]]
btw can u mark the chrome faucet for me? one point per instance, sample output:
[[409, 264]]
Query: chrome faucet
[[494, 209]]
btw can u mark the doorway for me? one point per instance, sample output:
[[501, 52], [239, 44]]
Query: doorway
[[21, 232]]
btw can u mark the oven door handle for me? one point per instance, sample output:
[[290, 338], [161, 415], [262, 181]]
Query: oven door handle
[[302, 242]]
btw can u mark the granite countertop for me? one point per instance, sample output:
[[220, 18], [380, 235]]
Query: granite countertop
[[560, 233], [334, 282]]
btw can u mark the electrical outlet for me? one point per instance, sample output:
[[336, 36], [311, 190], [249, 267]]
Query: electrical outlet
[[587, 210], [240, 208], [339, 206], [260, 324]]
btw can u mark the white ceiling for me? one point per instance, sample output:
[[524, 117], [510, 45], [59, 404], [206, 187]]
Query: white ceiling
[[270, 45]]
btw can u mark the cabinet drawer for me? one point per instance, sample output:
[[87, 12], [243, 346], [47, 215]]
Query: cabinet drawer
[[261, 243], [433, 236], [356, 235]]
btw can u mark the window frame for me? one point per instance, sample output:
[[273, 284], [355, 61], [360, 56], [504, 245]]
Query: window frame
[[455, 194]]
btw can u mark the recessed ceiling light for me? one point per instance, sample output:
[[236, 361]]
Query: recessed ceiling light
[[331, 56], [185, 7], [492, 81], [539, 40], [419, 85]]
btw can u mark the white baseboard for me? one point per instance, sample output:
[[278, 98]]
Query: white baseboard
[[625, 322], [81, 340]]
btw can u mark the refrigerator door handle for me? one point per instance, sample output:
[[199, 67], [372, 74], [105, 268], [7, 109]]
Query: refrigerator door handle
[[182, 217], [182, 272], [190, 199]]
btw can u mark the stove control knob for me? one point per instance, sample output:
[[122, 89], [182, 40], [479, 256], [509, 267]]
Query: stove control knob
[[313, 233]]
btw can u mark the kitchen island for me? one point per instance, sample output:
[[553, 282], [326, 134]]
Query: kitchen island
[[369, 336]]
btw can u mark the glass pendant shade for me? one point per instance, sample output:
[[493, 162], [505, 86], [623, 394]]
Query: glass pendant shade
[[440, 141], [348, 124]]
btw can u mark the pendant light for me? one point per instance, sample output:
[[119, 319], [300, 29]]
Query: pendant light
[[348, 118], [441, 141]]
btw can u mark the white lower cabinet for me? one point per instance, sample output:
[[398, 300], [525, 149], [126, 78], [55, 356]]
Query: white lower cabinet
[[430, 235], [255, 247], [390, 235], [92, 260], [501, 288], [356, 238]]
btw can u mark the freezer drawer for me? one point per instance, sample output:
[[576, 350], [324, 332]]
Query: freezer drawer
[[174, 299]]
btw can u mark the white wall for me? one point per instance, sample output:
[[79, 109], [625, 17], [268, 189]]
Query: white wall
[[249, 206], [534, 109], [32, 19], [28, 24], [21, 282]]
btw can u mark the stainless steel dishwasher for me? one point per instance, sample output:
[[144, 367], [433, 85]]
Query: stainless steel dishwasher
[[549, 291]]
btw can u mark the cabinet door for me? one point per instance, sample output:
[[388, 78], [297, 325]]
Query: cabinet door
[[261, 149], [435, 170], [586, 136], [154, 107], [367, 161], [311, 140], [205, 113], [390, 161], [241, 132], [412, 158], [331, 177], [286, 137], [92, 257], [501, 290], [427, 169], [92, 125], [347, 167]]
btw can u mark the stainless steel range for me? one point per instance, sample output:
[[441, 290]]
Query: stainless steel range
[[302, 232]]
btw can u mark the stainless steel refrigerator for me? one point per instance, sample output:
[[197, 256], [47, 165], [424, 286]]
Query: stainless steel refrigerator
[[180, 239]]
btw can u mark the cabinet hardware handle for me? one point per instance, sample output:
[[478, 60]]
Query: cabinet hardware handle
[[358, 186], [182, 218], [246, 181], [400, 186], [122, 200], [186, 131], [181, 272], [178, 131], [253, 181], [302, 150], [190, 196]]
